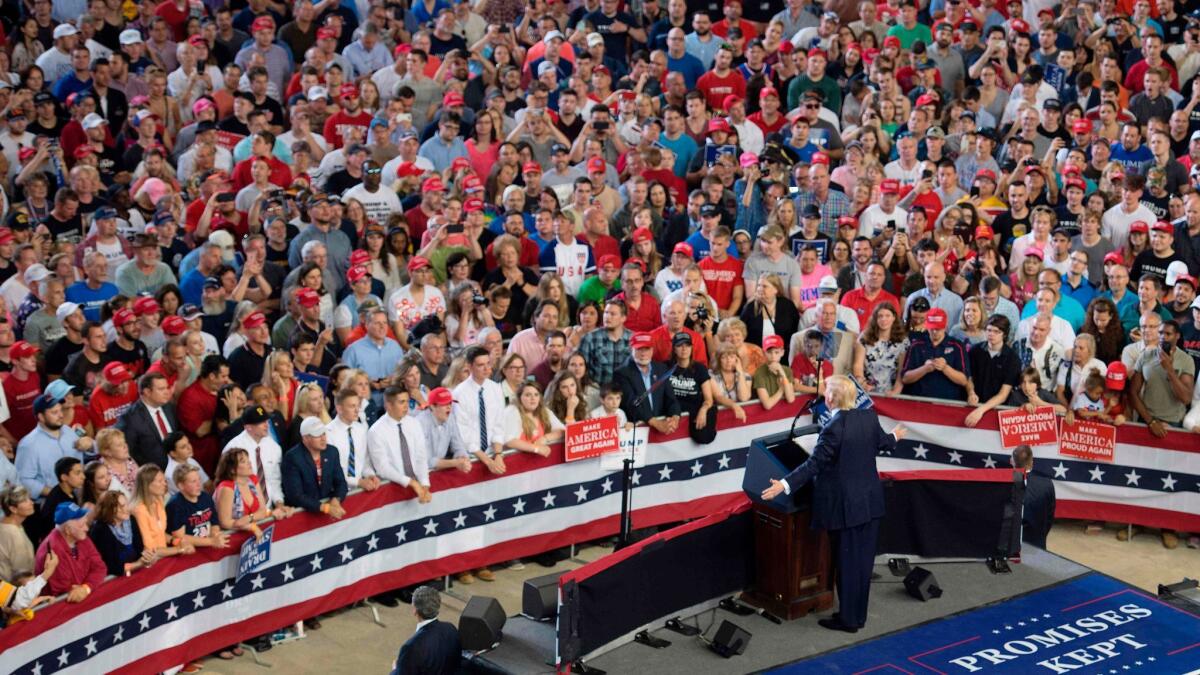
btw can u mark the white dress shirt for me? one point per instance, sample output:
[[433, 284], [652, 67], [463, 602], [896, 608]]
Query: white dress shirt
[[336, 433], [383, 446], [440, 441], [272, 458], [466, 413]]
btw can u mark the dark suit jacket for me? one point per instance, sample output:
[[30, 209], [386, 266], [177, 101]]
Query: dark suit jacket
[[1039, 509], [433, 650], [661, 403], [141, 433], [300, 487], [846, 487]]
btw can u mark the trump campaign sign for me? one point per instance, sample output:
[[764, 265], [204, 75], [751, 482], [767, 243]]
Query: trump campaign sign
[[1088, 440], [591, 438], [1018, 427], [255, 553]]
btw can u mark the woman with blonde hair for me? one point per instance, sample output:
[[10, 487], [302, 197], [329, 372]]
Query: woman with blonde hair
[[528, 425], [551, 288], [732, 332], [457, 373], [114, 454], [149, 510], [730, 379], [310, 402], [771, 312], [280, 375]]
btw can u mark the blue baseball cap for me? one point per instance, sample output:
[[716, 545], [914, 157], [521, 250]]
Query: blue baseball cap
[[68, 511], [163, 216], [105, 212], [58, 390], [43, 403]]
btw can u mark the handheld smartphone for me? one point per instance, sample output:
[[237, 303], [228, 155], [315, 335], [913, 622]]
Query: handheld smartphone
[[454, 229]]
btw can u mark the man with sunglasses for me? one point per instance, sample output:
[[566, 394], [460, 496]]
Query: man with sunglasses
[[379, 203]]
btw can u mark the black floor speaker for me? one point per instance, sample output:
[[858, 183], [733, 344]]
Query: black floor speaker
[[730, 640], [539, 597], [922, 585], [480, 624]]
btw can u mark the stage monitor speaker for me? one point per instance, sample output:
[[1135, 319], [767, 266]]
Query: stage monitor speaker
[[922, 585], [480, 624], [730, 640], [539, 597]]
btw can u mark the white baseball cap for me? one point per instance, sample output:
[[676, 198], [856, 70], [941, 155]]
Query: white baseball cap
[[551, 35], [93, 121], [312, 426], [130, 36], [827, 283], [1176, 268], [64, 310], [36, 272], [63, 30]]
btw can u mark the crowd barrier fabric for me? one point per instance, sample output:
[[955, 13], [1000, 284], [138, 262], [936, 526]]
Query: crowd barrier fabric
[[186, 607]]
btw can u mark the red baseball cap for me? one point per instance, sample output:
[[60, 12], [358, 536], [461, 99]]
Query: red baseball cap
[[1163, 226], [817, 51], [348, 91], [123, 316], [597, 165], [453, 98], [440, 396], [772, 342], [890, 186], [356, 273], [408, 169], [83, 150], [145, 305], [641, 340], [531, 167], [786, 47], [610, 260], [473, 205], [433, 184], [263, 23], [1035, 252], [1140, 226], [197, 40], [1116, 376], [1074, 182], [418, 263], [359, 257], [1114, 257], [402, 49], [327, 33], [891, 41], [768, 91], [986, 173], [116, 372], [6, 236], [1020, 26], [22, 349], [1187, 278], [307, 297], [819, 158], [471, 183], [683, 248], [642, 234], [729, 100], [936, 318], [256, 319], [984, 232], [460, 163], [173, 325], [719, 124], [926, 99], [1081, 126]]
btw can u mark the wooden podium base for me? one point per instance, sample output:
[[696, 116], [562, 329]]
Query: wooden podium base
[[793, 570]]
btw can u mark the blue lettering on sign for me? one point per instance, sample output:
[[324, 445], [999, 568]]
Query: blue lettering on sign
[[820, 411], [255, 553]]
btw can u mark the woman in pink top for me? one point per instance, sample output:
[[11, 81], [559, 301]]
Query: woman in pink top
[[528, 425], [483, 147]]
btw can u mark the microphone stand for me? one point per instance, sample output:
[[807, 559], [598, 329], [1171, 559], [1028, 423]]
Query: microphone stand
[[625, 537]]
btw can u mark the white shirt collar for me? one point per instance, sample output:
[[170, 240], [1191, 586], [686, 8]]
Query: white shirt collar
[[424, 623]]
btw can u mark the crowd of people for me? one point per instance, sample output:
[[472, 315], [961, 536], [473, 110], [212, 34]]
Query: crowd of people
[[258, 254]]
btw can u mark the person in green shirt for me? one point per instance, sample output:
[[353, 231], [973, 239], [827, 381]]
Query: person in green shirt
[[908, 30], [608, 279], [814, 79], [772, 382]]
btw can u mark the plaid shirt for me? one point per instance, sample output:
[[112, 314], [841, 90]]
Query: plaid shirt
[[834, 206], [603, 355]]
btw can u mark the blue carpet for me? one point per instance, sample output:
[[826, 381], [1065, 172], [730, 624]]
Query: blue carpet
[[1093, 624]]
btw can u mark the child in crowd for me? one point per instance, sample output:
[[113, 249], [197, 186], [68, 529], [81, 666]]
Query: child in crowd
[[610, 404], [772, 381], [810, 371], [19, 598]]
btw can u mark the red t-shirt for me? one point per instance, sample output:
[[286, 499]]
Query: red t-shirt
[[857, 300], [105, 408], [196, 406], [604, 245], [417, 221], [806, 371], [715, 88], [529, 255], [20, 395], [663, 350], [281, 175], [767, 128], [335, 125], [720, 278], [175, 17], [644, 317]]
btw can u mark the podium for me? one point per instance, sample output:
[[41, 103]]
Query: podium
[[792, 563]]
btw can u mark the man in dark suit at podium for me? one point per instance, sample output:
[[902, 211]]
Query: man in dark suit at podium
[[434, 649], [641, 374], [1040, 500], [847, 498]]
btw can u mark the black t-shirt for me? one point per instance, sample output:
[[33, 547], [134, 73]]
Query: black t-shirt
[[1147, 261], [1005, 226], [38, 129], [7, 271], [339, 182], [82, 373], [438, 46], [70, 229], [687, 383], [217, 325], [234, 126], [196, 518], [1158, 205], [516, 309], [136, 359], [59, 354], [246, 367], [173, 255], [1067, 220], [614, 43], [274, 111]]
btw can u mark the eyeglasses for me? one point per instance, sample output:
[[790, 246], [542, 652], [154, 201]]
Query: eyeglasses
[[374, 172], [811, 106]]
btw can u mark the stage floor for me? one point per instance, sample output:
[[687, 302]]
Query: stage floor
[[966, 586]]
